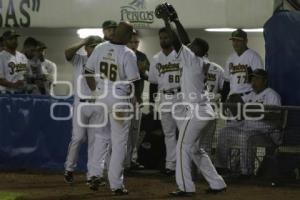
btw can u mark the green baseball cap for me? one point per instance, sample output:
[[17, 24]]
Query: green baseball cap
[[94, 40], [9, 34], [260, 73], [109, 24], [239, 34]]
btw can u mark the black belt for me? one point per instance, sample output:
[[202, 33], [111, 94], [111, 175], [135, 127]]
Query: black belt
[[172, 91], [245, 93]]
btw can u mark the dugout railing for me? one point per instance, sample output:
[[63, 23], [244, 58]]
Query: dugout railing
[[274, 155]]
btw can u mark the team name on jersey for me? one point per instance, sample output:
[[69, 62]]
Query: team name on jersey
[[170, 67], [237, 68], [16, 68], [211, 77]]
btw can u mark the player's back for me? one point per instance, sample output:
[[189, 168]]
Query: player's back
[[116, 64], [192, 80]]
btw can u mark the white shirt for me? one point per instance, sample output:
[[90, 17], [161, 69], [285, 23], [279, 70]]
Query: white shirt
[[266, 97], [192, 79], [165, 71], [215, 78], [114, 63], [236, 70], [79, 62], [13, 67]]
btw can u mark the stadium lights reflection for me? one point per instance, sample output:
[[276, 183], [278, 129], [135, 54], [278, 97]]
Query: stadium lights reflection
[[253, 30], [86, 32]]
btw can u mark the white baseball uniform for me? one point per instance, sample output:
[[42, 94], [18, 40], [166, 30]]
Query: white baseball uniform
[[240, 132], [13, 68], [87, 115], [199, 115], [213, 85], [49, 69], [236, 70], [165, 71], [114, 63]]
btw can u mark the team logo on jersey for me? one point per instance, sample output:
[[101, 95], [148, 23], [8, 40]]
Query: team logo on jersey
[[15, 13], [211, 77], [137, 13], [170, 67], [233, 69], [16, 68]]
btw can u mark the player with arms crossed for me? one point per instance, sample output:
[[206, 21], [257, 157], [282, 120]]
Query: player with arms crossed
[[13, 65], [198, 119], [117, 66]]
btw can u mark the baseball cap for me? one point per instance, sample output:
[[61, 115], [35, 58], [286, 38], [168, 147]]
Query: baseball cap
[[9, 34], [109, 24], [239, 34], [41, 45], [94, 40], [260, 73]]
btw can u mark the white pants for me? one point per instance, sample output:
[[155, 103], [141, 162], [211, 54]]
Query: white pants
[[118, 131], [169, 125], [237, 133], [134, 138], [88, 115], [192, 131], [206, 142]]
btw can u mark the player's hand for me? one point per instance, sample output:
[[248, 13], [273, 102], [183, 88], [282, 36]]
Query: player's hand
[[172, 12], [162, 12], [87, 40]]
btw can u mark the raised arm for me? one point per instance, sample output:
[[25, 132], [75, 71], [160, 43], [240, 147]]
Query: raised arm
[[184, 37], [177, 44], [162, 12], [71, 51]]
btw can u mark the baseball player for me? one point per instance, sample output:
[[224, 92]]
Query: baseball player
[[13, 65], [114, 62], [49, 68], [239, 135], [214, 79], [135, 136], [238, 69], [87, 114], [240, 64], [108, 28], [165, 72], [199, 114]]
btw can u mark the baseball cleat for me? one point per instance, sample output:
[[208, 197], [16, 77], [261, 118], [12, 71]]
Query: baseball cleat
[[88, 182], [68, 177], [94, 183], [120, 192], [136, 166], [180, 193], [215, 191], [169, 172]]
